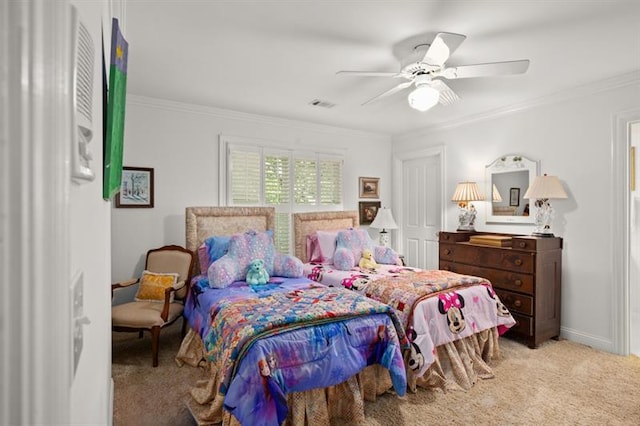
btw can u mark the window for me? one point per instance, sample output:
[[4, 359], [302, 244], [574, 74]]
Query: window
[[290, 181]]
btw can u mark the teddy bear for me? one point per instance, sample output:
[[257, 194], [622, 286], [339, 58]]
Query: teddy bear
[[257, 274], [367, 261]]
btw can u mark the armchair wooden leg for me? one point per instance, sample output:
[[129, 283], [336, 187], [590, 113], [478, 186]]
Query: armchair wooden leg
[[155, 343], [184, 327]]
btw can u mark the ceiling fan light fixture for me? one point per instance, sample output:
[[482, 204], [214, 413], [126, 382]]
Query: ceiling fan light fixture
[[423, 98]]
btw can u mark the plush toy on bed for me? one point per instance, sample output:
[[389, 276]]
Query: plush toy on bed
[[256, 274], [367, 261]]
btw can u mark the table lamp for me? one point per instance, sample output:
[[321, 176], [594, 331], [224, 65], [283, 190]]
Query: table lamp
[[464, 194], [542, 189], [384, 220]]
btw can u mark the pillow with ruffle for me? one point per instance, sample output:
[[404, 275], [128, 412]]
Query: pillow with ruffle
[[153, 285]]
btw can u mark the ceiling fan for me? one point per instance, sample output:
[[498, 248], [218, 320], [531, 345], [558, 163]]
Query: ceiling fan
[[425, 68]]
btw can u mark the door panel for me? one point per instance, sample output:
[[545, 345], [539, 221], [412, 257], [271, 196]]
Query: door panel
[[422, 190]]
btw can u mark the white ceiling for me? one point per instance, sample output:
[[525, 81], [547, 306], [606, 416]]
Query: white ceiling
[[274, 57]]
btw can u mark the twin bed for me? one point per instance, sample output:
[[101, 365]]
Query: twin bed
[[312, 353]]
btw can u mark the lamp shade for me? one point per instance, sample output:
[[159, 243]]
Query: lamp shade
[[466, 191], [384, 220], [545, 187], [423, 98], [496, 195]]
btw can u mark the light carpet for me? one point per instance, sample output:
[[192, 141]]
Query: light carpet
[[560, 383]]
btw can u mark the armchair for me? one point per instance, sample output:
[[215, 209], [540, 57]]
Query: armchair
[[159, 301]]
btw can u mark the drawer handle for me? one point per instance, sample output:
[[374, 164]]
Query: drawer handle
[[447, 251], [518, 282], [517, 303], [445, 237], [522, 244], [518, 262]]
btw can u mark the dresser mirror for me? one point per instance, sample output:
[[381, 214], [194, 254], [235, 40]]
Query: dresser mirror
[[508, 178]]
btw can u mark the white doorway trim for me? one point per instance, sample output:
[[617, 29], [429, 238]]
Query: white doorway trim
[[621, 227], [35, 370], [398, 197]]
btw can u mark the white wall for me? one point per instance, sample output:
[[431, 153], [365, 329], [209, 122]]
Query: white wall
[[90, 240], [571, 135], [181, 143]]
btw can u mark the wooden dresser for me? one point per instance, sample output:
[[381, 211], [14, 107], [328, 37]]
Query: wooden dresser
[[526, 277]]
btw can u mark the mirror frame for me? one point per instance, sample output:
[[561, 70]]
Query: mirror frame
[[505, 164]]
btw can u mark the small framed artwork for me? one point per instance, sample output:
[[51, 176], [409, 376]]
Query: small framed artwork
[[368, 211], [369, 187], [514, 197], [136, 188]]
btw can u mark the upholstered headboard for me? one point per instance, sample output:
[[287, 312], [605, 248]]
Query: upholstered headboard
[[204, 222], [306, 223]]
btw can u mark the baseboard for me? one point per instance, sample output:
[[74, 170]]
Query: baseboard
[[596, 342], [110, 415]]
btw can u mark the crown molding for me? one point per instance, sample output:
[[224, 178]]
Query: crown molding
[[151, 102], [562, 96]]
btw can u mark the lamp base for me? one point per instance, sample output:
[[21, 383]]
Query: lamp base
[[466, 228], [384, 238]]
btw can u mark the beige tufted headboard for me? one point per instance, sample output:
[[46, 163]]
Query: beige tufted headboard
[[204, 222], [306, 223]]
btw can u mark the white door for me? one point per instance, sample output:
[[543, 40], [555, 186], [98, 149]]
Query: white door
[[422, 210]]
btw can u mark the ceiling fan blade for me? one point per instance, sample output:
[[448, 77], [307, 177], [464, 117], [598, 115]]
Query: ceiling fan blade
[[485, 70], [447, 96], [370, 74], [391, 91], [442, 46]]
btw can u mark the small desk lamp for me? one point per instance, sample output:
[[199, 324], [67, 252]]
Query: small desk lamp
[[384, 220], [465, 193], [542, 189]]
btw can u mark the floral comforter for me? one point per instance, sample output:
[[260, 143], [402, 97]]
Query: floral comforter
[[290, 335], [434, 306]]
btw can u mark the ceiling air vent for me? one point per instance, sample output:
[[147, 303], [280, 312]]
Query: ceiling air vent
[[323, 104]]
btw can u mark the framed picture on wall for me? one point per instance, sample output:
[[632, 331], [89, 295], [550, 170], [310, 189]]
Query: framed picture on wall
[[368, 211], [369, 187], [514, 197], [136, 188]]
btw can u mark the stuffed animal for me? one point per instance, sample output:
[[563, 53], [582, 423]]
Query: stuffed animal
[[367, 261], [257, 274]]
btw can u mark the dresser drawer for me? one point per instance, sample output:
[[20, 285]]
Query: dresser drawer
[[499, 279], [523, 326], [516, 302], [500, 258], [453, 237]]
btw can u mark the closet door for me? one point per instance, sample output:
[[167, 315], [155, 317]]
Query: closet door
[[422, 210]]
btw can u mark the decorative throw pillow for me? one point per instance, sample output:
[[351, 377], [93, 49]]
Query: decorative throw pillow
[[354, 240], [288, 266], [211, 250], [153, 285], [343, 259], [386, 255]]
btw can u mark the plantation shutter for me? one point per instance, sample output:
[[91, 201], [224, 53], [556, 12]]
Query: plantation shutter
[[305, 185], [289, 181], [245, 174], [330, 181], [277, 190]]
